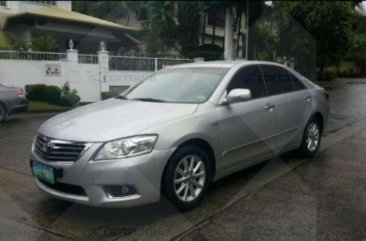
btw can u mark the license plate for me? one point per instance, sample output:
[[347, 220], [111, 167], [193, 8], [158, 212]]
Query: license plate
[[43, 172]]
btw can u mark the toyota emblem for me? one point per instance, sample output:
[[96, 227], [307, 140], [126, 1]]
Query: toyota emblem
[[47, 146]]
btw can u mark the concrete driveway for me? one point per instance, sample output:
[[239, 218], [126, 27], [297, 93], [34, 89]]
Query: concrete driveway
[[282, 199]]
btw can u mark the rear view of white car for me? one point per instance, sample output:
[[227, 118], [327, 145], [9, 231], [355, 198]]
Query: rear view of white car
[[176, 132]]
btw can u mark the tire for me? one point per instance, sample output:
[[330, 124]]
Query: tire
[[3, 113], [184, 185], [311, 139]]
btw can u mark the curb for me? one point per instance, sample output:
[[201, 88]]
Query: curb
[[332, 83], [36, 114], [341, 81]]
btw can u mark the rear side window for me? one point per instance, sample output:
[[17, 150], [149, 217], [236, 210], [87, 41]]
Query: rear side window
[[296, 82], [249, 78], [277, 80]]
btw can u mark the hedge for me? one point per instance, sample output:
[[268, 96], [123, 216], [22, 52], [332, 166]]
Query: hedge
[[69, 100], [52, 94], [35, 92]]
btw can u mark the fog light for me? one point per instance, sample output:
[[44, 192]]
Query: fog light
[[119, 191]]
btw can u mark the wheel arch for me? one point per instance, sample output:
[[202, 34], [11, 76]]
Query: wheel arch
[[198, 142], [206, 146], [4, 105], [318, 115]]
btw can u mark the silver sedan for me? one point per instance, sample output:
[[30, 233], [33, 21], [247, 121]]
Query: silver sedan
[[176, 132]]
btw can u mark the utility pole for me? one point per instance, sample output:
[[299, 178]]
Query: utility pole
[[228, 47]]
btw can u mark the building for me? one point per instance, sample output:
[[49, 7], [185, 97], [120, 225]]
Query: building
[[23, 21], [213, 28]]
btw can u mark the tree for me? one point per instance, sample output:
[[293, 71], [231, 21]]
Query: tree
[[162, 21], [188, 27], [45, 43], [255, 9], [330, 23], [357, 51], [172, 24], [110, 10]]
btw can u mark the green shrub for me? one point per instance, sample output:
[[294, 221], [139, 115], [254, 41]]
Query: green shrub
[[52, 94], [107, 95], [69, 100], [74, 92], [35, 92]]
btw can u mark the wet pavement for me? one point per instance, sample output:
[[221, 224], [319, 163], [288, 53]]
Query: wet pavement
[[281, 199]]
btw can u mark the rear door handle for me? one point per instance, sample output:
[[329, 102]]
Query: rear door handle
[[307, 98], [269, 107]]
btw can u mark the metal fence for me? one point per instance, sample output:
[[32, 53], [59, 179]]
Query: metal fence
[[128, 63], [32, 56], [122, 63], [88, 59]]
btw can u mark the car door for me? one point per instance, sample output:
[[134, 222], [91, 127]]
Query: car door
[[244, 127], [292, 101], [299, 107]]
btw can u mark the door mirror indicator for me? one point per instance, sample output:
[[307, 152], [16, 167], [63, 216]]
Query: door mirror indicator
[[237, 95]]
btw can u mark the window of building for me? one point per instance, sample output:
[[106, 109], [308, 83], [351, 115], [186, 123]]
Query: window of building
[[46, 2], [216, 18], [118, 89], [3, 3]]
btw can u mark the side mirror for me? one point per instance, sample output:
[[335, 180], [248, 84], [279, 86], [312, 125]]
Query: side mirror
[[237, 95]]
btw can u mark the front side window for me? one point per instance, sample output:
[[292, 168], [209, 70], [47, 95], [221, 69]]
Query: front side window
[[3, 3], [178, 85], [249, 78], [277, 79]]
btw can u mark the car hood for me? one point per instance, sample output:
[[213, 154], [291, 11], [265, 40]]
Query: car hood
[[112, 119]]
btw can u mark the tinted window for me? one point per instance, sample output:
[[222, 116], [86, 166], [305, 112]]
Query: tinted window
[[297, 83], [249, 78], [277, 80]]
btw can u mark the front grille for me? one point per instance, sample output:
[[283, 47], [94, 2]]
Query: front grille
[[56, 150], [65, 188]]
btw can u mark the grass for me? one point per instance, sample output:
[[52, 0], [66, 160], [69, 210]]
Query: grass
[[39, 106]]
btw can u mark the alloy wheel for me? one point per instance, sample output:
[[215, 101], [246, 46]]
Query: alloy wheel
[[312, 136], [189, 178]]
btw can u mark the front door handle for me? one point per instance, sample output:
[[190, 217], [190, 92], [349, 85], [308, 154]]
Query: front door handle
[[269, 107]]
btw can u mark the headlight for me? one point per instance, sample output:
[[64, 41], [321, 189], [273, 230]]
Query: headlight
[[33, 143], [127, 147]]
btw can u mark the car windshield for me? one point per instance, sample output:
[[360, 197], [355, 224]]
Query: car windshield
[[178, 85]]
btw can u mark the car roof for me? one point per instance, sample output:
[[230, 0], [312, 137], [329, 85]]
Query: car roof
[[224, 63]]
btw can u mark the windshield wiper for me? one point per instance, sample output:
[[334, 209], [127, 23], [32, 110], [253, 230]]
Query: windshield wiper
[[121, 97], [149, 99]]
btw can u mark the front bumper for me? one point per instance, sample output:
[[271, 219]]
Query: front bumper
[[143, 172]]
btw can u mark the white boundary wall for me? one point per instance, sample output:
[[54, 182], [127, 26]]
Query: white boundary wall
[[89, 79]]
